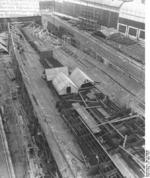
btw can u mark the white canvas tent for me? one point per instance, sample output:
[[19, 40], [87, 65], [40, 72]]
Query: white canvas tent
[[64, 85], [51, 73], [79, 77]]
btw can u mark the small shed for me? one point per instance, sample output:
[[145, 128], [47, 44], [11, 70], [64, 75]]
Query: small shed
[[64, 85], [51, 73], [80, 78]]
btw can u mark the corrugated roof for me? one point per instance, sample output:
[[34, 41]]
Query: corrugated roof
[[53, 72], [79, 77], [61, 82]]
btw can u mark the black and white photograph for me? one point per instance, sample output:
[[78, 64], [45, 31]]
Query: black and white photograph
[[74, 94]]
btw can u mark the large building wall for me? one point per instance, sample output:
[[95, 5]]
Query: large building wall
[[4, 21], [132, 19], [127, 17], [17, 8], [103, 16]]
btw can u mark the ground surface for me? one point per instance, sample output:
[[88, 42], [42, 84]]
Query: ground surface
[[72, 58], [124, 62], [12, 129], [5, 170], [58, 136], [121, 88], [127, 46]]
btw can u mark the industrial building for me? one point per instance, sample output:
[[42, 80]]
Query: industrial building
[[117, 14], [72, 89]]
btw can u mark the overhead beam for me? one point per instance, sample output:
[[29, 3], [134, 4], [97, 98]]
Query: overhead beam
[[118, 120]]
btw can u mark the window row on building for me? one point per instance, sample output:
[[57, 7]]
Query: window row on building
[[131, 31], [128, 18]]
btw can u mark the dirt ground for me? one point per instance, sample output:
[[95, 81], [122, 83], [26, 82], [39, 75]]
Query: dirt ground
[[15, 141]]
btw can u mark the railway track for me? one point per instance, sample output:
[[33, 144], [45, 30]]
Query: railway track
[[68, 52], [79, 60], [98, 46]]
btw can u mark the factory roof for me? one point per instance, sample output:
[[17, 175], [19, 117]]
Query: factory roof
[[61, 82], [79, 77], [133, 10], [51, 73]]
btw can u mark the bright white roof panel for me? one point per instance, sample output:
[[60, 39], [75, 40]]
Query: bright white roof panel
[[79, 77], [61, 82], [133, 10], [17, 8], [53, 72]]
